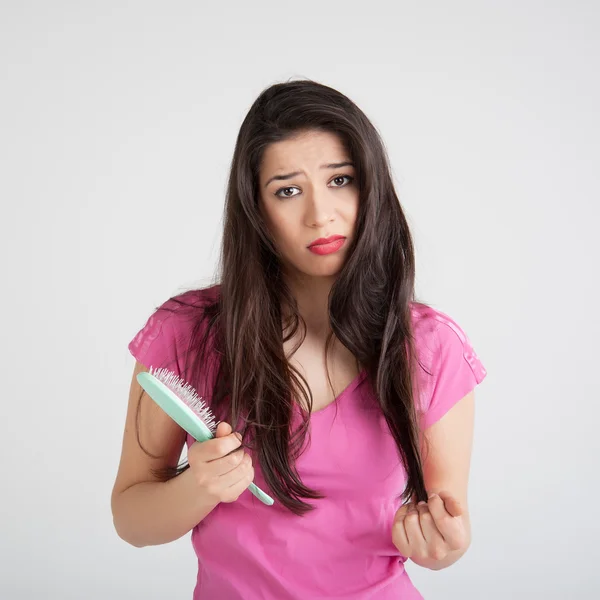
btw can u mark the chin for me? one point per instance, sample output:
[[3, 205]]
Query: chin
[[323, 270], [316, 267]]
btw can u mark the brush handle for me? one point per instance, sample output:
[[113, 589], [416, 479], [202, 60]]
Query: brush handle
[[260, 494]]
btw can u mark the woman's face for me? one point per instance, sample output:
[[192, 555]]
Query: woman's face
[[308, 200]]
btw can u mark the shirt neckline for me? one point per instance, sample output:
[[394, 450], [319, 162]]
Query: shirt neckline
[[349, 388]]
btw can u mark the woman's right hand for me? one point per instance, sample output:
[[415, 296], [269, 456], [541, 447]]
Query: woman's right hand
[[221, 473]]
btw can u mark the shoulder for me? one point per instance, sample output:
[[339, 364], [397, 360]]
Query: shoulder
[[449, 367], [166, 333], [194, 298], [436, 332], [186, 307], [429, 317]]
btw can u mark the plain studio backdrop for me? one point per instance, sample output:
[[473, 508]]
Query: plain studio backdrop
[[117, 126]]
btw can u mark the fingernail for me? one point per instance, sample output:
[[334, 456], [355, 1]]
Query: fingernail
[[422, 503], [432, 495], [238, 435]]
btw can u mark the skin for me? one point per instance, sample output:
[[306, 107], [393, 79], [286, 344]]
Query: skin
[[149, 512], [319, 203]]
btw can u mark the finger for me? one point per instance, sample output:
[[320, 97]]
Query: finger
[[413, 531], [436, 546], [399, 535], [425, 520], [450, 528], [401, 512], [452, 505], [225, 464], [235, 491], [244, 469], [225, 429], [234, 475], [438, 511], [214, 448]]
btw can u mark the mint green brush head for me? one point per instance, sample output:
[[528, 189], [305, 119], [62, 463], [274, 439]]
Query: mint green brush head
[[181, 402]]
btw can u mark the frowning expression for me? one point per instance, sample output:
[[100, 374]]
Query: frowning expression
[[308, 191]]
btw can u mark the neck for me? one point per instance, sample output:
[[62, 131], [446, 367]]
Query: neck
[[312, 295]]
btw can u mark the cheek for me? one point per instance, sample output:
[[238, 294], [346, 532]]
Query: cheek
[[274, 221], [351, 211], [283, 225]]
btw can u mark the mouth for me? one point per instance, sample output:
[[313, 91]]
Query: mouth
[[330, 245], [325, 241]]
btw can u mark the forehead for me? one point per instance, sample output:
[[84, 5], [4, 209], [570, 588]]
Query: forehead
[[303, 149]]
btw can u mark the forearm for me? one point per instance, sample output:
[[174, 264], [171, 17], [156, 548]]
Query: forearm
[[153, 513]]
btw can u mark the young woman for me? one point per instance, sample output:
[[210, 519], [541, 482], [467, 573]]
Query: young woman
[[338, 393]]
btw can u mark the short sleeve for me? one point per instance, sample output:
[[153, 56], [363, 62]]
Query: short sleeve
[[162, 343], [158, 344], [170, 337], [457, 370]]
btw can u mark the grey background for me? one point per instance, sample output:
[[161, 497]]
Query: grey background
[[118, 121]]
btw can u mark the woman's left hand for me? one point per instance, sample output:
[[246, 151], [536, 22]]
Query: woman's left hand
[[432, 529]]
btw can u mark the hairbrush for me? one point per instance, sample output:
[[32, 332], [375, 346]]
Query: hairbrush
[[182, 403]]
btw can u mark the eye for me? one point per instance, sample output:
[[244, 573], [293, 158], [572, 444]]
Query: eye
[[278, 192], [343, 177]]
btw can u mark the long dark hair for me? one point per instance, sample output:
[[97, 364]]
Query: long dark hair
[[369, 303]]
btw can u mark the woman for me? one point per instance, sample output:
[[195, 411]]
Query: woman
[[346, 400]]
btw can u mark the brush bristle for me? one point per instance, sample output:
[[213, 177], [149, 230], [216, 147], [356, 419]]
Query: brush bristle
[[185, 392]]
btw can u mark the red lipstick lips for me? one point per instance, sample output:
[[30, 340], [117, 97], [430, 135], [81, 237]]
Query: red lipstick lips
[[327, 245], [328, 240]]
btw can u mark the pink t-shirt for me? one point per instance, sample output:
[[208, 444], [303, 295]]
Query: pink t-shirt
[[342, 549]]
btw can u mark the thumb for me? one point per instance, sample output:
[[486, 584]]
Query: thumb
[[223, 429], [451, 504]]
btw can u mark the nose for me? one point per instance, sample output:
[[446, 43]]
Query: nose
[[319, 209]]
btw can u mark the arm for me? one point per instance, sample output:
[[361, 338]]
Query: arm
[[446, 464], [147, 511], [150, 513]]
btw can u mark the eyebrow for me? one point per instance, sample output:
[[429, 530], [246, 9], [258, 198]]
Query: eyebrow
[[295, 173]]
